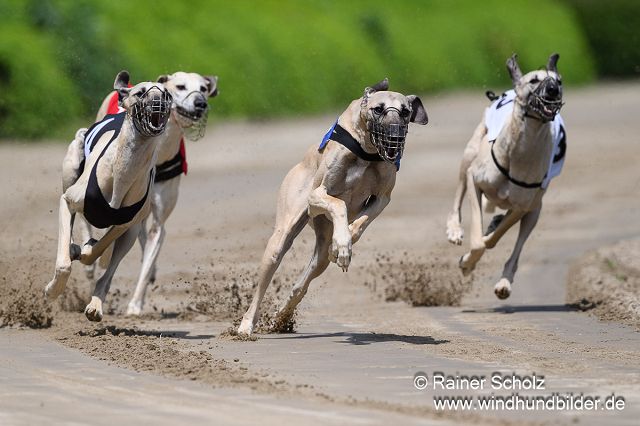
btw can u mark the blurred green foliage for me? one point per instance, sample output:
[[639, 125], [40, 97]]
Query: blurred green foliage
[[612, 28], [58, 58]]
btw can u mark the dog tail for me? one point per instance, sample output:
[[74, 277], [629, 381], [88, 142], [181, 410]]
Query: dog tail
[[491, 95], [73, 163]]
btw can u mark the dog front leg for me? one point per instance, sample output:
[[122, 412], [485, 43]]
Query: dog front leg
[[468, 261], [335, 209], [63, 257], [121, 247], [164, 197], [502, 288], [367, 216]]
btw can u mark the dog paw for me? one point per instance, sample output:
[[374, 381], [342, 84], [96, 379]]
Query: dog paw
[[134, 309], [283, 322], [93, 311], [245, 328], [57, 285], [455, 234], [53, 290], [466, 267], [502, 289], [340, 253]]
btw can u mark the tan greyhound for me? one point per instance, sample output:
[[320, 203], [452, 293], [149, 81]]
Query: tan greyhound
[[513, 154], [107, 176], [338, 189], [188, 118]]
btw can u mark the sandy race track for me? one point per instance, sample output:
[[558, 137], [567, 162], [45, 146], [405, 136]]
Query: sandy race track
[[353, 357]]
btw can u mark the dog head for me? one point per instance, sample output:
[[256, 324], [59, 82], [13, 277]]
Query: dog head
[[190, 92], [387, 116], [147, 103], [539, 91]]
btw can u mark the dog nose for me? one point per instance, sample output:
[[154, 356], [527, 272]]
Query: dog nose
[[200, 104], [553, 89]]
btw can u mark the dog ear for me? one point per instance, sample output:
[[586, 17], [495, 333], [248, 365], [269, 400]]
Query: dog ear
[[514, 69], [381, 85], [552, 65], [212, 85], [163, 78], [418, 112], [121, 85], [368, 91]]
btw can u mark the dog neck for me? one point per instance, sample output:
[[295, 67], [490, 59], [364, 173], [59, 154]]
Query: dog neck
[[351, 120], [135, 148], [524, 146], [130, 166]]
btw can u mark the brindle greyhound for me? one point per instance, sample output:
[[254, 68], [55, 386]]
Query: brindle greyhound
[[513, 170], [107, 176], [338, 190]]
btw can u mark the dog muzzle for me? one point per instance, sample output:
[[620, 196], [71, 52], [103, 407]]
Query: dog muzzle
[[388, 139], [151, 113], [192, 114], [546, 100]]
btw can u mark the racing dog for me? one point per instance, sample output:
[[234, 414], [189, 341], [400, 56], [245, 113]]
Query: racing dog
[[107, 177], [338, 189], [515, 151], [188, 118]]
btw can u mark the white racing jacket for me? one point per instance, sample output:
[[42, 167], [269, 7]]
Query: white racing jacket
[[498, 114]]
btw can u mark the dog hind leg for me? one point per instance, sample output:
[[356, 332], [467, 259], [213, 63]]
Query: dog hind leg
[[317, 265], [163, 200], [455, 233], [278, 245], [469, 260], [502, 288], [72, 160], [121, 247]]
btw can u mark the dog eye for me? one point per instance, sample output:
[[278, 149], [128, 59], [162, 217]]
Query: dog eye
[[559, 82], [140, 93], [379, 109], [181, 87], [534, 80], [405, 112], [203, 89]]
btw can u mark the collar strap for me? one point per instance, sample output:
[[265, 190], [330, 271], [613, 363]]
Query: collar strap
[[170, 168], [505, 172], [345, 139]]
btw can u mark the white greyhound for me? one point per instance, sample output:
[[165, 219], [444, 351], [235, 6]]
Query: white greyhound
[[188, 117], [514, 152], [107, 177]]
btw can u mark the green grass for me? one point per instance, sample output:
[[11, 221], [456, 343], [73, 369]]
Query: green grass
[[273, 58]]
